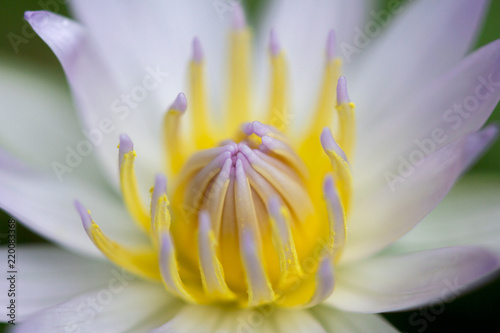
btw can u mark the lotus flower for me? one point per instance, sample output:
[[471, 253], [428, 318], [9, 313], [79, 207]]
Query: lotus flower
[[275, 204]]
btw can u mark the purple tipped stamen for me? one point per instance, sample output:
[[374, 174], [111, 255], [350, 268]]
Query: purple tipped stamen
[[197, 50], [330, 45], [126, 146], [342, 96], [329, 143], [274, 45], [180, 103], [84, 215], [239, 20]]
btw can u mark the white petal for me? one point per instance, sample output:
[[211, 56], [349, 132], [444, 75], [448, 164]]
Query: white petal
[[432, 117], [425, 40], [133, 306], [47, 275], [302, 29], [469, 215], [268, 318], [45, 205], [336, 321], [395, 282], [98, 93], [409, 195], [159, 33], [37, 119]]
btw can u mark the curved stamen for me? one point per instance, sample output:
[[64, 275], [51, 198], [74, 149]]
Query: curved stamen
[[138, 261], [259, 288], [285, 246], [128, 182], [212, 273], [169, 268], [336, 218], [340, 165], [175, 147]]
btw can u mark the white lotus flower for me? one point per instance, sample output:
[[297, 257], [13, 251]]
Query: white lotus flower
[[274, 223]]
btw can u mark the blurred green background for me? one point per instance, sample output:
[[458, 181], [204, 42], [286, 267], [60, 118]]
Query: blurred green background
[[475, 312]]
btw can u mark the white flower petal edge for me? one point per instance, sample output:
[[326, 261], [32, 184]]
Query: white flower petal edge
[[432, 114], [49, 275], [46, 206], [396, 208], [96, 93], [37, 128], [469, 215], [412, 53], [135, 307], [302, 28], [396, 282]]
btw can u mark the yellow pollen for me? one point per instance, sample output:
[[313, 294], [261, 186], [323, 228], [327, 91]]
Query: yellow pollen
[[255, 215]]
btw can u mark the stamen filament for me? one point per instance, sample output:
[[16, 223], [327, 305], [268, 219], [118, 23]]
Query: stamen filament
[[340, 166], [169, 268], [284, 244], [346, 119], [175, 146], [336, 218], [200, 122], [260, 290], [212, 274], [278, 116], [143, 262], [239, 71], [128, 182]]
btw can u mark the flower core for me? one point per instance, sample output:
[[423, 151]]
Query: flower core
[[256, 216]]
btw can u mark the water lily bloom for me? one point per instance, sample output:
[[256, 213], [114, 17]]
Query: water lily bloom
[[275, 204]]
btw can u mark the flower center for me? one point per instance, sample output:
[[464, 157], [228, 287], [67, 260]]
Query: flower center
[[243, 203], [253, 220]]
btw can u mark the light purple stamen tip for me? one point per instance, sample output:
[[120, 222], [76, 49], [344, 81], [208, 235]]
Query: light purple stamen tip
[[239, 21], [342, 96], [274, 45], [247, 128], [84, 215], [329, 143], [330, 45], [197, 50], [126, 143], [180, 103], [160, 184]]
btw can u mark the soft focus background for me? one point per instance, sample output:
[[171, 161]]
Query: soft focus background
[[475, 312]]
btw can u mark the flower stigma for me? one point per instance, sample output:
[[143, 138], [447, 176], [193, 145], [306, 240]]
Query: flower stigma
[[252, 215]]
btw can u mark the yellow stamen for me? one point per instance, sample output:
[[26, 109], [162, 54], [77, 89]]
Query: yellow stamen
[[346, 128], [340, 166], [239, 78], [278, 116], [143, 262], [131, 196], [198, 101], [176, 149], [212, 273]]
